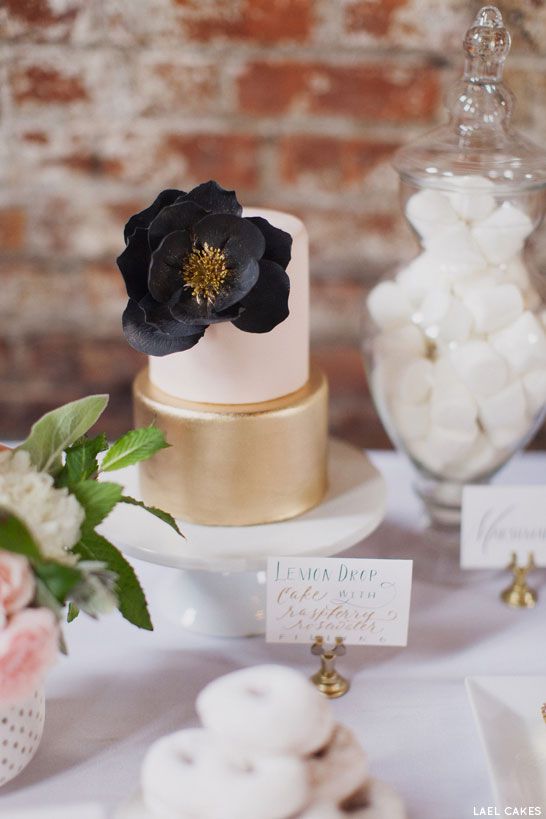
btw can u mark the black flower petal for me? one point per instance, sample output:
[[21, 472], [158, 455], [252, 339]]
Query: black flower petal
[[236, 236], [147, 339], [242, 244], [134, 263], [179, 216], [161, 317], [278, 243], [213, 198], [165, 276], [188, 311], [143, 219], [267, 303]]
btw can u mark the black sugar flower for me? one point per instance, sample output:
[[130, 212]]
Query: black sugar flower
[[193, 260]]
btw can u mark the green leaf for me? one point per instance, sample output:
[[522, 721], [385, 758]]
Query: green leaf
[[81, 460], [57, 578], [153, 510], [98, 498], [59, 429], [132, 601], [136, 445], [73, 612], [15, 537], [43, 597]]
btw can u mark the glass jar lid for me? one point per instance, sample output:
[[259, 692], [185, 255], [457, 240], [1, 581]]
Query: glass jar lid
[[478, 139]]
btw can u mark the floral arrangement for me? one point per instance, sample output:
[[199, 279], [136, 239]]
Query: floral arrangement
[[192, 260], [51, 554]]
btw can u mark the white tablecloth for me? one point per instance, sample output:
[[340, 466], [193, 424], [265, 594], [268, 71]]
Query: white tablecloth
[[122, 688]]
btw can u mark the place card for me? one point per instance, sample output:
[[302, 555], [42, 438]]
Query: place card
[[363, 600], [500, 520]]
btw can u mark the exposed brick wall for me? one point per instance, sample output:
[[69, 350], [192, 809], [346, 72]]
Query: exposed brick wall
[[298, 104]]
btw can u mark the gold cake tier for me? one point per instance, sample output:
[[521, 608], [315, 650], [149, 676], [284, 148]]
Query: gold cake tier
[[236, 464]]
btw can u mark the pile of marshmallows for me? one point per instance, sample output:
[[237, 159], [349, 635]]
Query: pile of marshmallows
[[460, 360], [269, 749]]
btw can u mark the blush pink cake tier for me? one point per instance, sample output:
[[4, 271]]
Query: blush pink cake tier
[[245, 414], [232, 367]]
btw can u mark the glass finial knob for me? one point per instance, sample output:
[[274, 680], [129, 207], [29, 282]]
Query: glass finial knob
[[487, 44]]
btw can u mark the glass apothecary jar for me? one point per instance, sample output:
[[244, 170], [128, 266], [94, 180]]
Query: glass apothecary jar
[[455, 342]]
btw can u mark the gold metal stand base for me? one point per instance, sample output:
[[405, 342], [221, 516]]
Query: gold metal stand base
[[519, 595], [331, 687], [519, 598], [236, 465], [328, 680]]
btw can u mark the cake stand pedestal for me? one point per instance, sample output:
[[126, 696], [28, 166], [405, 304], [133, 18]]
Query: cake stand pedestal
[[219, 587]]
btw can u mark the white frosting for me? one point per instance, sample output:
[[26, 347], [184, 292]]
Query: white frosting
[[229, 366]]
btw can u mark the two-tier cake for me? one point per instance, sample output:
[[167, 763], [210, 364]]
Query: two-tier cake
[[219, 299]]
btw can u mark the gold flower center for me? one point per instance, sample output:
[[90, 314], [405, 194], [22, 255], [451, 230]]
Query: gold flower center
[[204, 272]]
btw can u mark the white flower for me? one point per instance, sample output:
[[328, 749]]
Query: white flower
[[96, 593], [53, 516]]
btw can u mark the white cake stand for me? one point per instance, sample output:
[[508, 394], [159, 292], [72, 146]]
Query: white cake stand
[[219, 587]]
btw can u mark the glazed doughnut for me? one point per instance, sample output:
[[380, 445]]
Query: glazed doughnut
[[322, 810], [375, 801], [267, 709], [188, 775], [339, 770]]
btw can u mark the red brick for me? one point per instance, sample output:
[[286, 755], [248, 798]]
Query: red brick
[[167, 85], [91, 164], [13, 223], [36, 83], [230, 159], [108, 363], [38, 137], [388, 92], [265, 21], [330, 163], [373, 16], [37, 12]]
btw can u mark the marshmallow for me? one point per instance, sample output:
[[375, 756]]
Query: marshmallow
[[515, 272], [444, 372], [504, 415], [268, 709], [426, 455], [435, 306], [503, 233], [415, 381], [453, 407], [494, 307], [456, 252], [339, 770], [189, 774], [483, 371], [478, 281], [430, 213], [444, 318], [389, 306], [534, 386], [410, 420], [481, 460], [474, 200], [420, 276], [522, 344], [452, 444], [400, 344]]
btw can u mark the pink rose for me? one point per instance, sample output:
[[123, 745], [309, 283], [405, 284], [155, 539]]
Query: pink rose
[[29, 645], [16, 582]]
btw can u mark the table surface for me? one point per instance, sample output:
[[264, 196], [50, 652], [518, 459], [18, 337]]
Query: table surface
[[121, 688]]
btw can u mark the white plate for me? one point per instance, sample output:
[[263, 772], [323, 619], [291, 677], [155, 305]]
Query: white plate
[[353, 508], [513, 734]]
